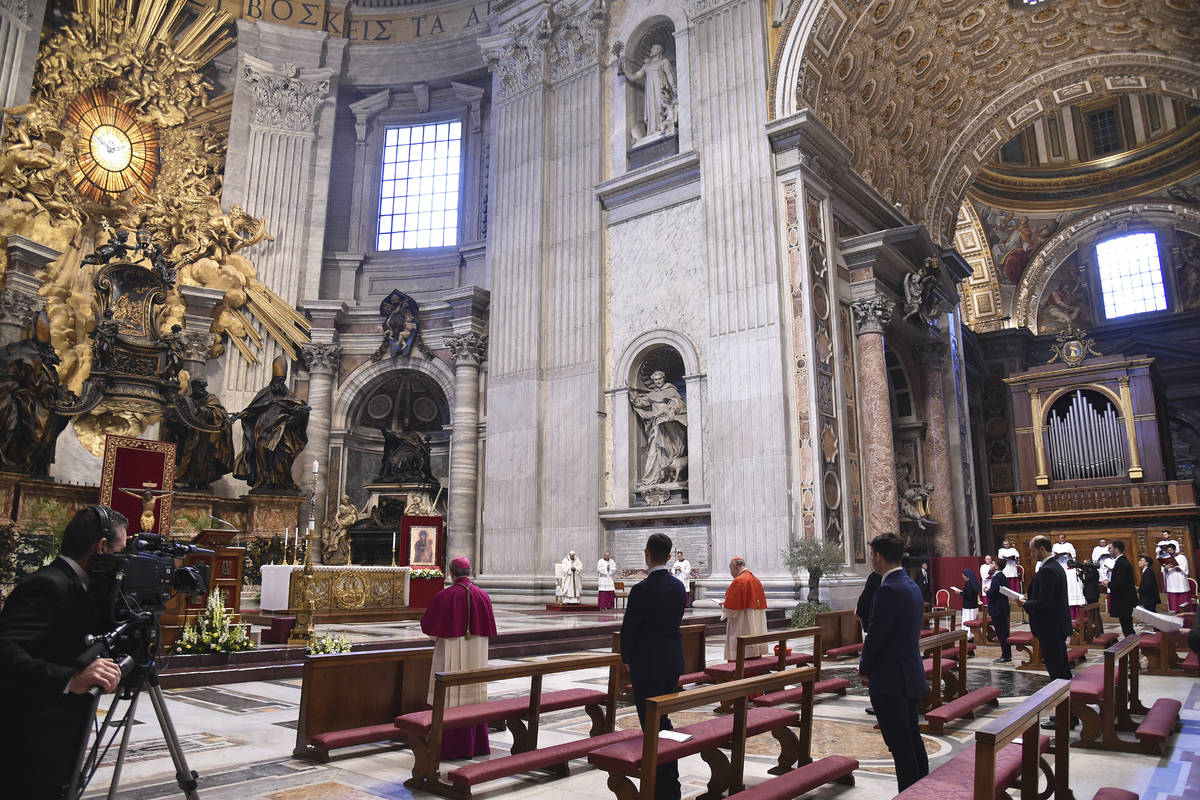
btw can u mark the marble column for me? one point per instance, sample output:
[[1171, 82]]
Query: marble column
[[20, 28], [322, 363], [277, 167], [19, 299], [871, 316], [469, 351], [937, 455]]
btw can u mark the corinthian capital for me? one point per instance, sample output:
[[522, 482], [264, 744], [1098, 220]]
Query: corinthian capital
[[471, 347], [18, 8], [18, 307], [321, 357], [517, 57], [576, 42], [284, 97], [196, 344], [872, 314]]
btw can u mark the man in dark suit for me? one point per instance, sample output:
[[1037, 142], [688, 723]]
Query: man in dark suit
[[891, 660], [1122, 591], [43, 685], [652, 646], [1049, 614]]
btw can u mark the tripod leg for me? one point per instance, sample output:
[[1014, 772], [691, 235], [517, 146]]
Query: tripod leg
[[185, 777], [128, 723], [81, 757]]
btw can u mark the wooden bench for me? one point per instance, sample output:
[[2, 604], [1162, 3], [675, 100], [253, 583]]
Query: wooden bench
[[639, 758], [997, 762], [1027, 643], [931, 621], [694, 658], [1112, 688], [781, 638], [424, 729], [1162, 652], [830, 769], [982, 624], [1088, 630], [948, 698], [841, 634], [349, 699]]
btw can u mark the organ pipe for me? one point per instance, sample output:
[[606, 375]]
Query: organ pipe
[[1086, 443]]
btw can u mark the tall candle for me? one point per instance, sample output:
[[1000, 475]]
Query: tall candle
[[393, 541], [314, 466]]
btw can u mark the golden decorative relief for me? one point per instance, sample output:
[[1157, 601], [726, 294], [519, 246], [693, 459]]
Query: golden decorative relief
[[121, 132]]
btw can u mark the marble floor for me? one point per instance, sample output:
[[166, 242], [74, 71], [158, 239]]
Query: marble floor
[[239, 738]]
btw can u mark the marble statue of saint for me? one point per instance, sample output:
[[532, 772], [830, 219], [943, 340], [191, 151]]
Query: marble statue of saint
[[335, 549], [660, 107], [274, 431], [405, 456], [29, 395], [664, 419], [201, 457]]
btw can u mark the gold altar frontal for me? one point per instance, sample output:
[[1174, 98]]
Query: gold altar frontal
[[354, 594]]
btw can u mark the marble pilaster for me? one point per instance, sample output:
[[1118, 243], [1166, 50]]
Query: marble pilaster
[[936, 455], [280, 145], [871, 316], [20, 28], [469, 351]]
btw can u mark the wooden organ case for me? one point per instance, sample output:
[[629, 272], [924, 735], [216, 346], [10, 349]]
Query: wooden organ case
[[1089, 445]]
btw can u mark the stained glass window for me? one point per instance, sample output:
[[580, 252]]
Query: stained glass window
[[1131, 278], [419, 189]]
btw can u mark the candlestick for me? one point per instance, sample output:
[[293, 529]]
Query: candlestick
[[393, 548]]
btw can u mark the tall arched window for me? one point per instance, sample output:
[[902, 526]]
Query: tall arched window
[[1131, 277]]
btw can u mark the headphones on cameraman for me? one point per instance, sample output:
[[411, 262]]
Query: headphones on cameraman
[[105, 522]]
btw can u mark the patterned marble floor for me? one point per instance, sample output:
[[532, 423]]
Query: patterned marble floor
[[239, 738]]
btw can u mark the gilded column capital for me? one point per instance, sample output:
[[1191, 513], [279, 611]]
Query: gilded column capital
[[872, 314], [321, 358], [933, 355], [285, 97], [469, 348]]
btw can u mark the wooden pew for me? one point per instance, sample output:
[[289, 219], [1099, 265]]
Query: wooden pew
[[982, 624], [996, 761], [781, 638], [1112, 687], [694, 658], [948, 698], [1027, 643], [841, 634], [932, 620], [1162, 652], [639, 758], [425, 729], [1088, 630], [348, 699]]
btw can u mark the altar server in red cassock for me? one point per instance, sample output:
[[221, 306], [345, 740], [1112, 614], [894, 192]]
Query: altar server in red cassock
[[745, 609], [460, 620]]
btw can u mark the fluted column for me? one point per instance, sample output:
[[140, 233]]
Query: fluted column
[[871, 316], [469, 352], [937, 455], [277, 167], [322, 363]]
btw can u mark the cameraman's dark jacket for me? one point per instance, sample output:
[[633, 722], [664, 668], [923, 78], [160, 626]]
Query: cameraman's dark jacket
[[42, 628], [1089, 574]]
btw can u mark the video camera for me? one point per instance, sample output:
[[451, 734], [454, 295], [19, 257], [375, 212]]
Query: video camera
[[137, 583]]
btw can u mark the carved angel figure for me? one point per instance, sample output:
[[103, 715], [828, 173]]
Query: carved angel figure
[[399, 323]]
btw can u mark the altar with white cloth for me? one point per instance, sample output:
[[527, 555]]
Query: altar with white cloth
[[342, 593]]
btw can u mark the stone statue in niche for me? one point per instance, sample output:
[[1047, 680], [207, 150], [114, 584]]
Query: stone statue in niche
[[201, 456], [664, 420], [920, 302], [274, 431], [660, 99], [914, 497], [405, 457], [400, 320]]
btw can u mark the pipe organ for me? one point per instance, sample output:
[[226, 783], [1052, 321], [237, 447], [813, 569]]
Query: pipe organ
[[1086, 442]]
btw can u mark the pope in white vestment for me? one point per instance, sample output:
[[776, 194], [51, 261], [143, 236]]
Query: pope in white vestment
[[571, 579]]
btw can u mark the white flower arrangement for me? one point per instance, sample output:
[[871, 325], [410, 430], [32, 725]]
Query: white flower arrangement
[[214, 632]]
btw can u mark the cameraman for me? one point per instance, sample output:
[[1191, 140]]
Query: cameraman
[[43, 687]]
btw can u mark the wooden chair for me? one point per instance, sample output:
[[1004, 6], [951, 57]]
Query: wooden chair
[[620, 596]]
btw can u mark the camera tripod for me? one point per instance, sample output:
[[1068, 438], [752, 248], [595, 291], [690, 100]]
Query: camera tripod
[[141, 677]]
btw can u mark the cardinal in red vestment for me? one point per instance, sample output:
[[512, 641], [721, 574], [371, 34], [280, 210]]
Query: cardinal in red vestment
[[745, 610]]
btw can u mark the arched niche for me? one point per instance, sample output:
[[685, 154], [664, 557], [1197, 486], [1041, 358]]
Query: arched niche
[[665, 26], [386, 393], [634, 434]]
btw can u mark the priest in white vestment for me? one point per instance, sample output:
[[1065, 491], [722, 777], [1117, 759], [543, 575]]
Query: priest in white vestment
[[1009, 558], [1064, 552], [606, 568], [460, 619], [681, 568], [1179, 591], [744, 610], [570, 579]]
